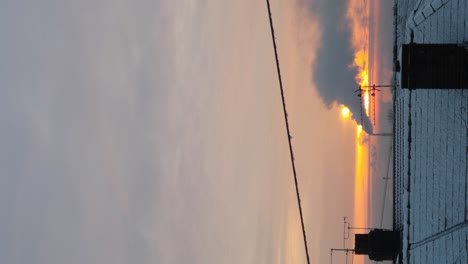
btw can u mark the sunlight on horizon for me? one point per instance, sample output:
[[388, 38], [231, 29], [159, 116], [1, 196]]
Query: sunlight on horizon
[[361, 182]]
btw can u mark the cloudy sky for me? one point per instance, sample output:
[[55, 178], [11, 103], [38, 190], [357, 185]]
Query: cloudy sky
[[146, 131]]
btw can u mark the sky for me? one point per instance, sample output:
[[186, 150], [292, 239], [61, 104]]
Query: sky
[[151, 131]]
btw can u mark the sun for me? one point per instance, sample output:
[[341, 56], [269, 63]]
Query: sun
[[345, 113]]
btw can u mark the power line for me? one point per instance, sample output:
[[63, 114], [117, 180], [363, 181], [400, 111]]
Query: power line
[[288, 131], [385, 186]]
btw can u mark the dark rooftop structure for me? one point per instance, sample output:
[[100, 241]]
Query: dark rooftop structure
[[434, 66], [378, 244]]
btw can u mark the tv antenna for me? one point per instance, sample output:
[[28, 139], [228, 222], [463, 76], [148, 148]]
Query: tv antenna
[[344, 249], [373, 89], [360, 90]]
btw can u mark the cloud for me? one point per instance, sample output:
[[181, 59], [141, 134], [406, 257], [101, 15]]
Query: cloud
[[123, 133], [83, 121], [333, 74]]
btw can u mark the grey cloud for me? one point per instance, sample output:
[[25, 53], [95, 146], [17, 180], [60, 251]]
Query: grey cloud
[[122, 141], [332, 74], [82, 121]]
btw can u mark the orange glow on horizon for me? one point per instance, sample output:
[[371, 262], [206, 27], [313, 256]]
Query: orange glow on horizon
[[358, 18], [361, 186], [374, 57]]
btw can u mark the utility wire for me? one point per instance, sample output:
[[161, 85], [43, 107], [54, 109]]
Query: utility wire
[[288, 131], [385, 186]]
